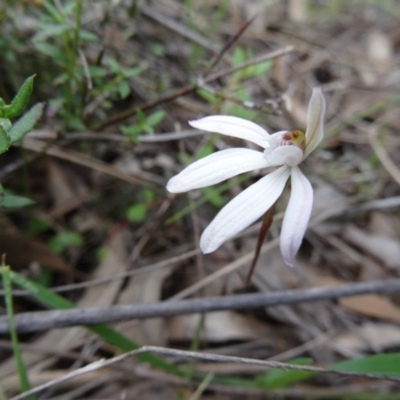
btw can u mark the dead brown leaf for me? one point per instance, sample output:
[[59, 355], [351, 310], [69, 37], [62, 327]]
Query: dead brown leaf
[[370, 336], [382, 247], [372, 305], [218, 327]]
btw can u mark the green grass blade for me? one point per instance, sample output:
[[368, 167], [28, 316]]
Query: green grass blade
[[22, 372], [380, 364], [280, 379], [107, 333]]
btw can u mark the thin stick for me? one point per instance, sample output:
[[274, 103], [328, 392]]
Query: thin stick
[[198, 356], [265, 226], [42, 320]]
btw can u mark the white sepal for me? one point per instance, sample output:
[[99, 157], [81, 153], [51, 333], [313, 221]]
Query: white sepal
[[233, 126], [244, 209], [315, 121], [216, 168], [296, 216]]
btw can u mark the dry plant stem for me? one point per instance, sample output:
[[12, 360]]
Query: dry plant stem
[[198, 356], [384, 158], [266, 224], [181, 29], [227, 46], [155, 137], [191, 88], [90, 162], [42, 320], [239, 262]]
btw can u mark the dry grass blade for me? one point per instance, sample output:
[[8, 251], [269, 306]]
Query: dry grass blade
[[90, 162], [197, 356], [384, 158]]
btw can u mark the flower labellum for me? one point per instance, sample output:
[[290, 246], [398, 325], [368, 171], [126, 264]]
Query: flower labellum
[[285, 150]]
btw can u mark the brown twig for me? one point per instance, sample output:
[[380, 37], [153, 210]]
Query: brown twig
[[42, 320], [266, 224], [232, 40]]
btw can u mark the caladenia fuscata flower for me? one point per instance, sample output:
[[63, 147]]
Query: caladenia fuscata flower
[[284, 149]]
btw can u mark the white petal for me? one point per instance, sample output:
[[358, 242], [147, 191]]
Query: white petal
[[296, 217], [233, 126], [244, 209], [315, 121], [284, 155], [216, 168]]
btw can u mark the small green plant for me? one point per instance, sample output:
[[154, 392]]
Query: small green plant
[[11, 133], [60, 242], [59, 37], [144, 124], [138, 212]]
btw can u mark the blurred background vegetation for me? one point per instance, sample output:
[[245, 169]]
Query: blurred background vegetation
[[120, 79]]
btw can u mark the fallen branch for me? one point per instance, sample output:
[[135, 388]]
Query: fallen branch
[[43, 320]]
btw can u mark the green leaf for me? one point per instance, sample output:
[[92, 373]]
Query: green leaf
[[239, 56], [132, 130], [51, 51], [381, 364], [63, 240], [97, 71], [37, 225], [214, 197], [141, 117], [124, 89], [4, 141], [240, 112], [206, 95], [13, 201], [149, 195], [5, 124], [26, 123], [50, 30], [280, 379], [206, 150], [20, 101], [88, 36], [155, 118], [22, 371], [262, 68], [137, 212], [243, 94], [53, 12], [105, 332], [114, 65], [131, 72]]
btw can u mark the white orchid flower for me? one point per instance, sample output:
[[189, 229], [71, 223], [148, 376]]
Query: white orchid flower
[[284, 149]]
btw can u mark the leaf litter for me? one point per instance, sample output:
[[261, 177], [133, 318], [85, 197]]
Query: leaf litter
[[86, 186]]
